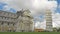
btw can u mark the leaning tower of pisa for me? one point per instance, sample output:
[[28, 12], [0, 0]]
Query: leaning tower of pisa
[[48, 15]]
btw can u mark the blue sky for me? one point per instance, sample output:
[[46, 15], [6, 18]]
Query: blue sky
[[58, 9], [58, 1], [2, 6]]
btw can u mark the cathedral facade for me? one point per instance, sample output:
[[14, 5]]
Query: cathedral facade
[[21, 21]]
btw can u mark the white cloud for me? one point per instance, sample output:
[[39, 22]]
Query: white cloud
[[39, 25], [41, 6], [56, 20], [36, 7]]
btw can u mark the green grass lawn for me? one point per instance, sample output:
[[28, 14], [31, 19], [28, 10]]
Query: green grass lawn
[[29, 32]]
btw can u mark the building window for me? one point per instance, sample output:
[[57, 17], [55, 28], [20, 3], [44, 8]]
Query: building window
[[13, 24], [5, 17], [8, 23], [11, 14], [2, 23], [2, 17]]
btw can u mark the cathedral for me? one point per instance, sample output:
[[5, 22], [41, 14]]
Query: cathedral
[[21, 21]]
